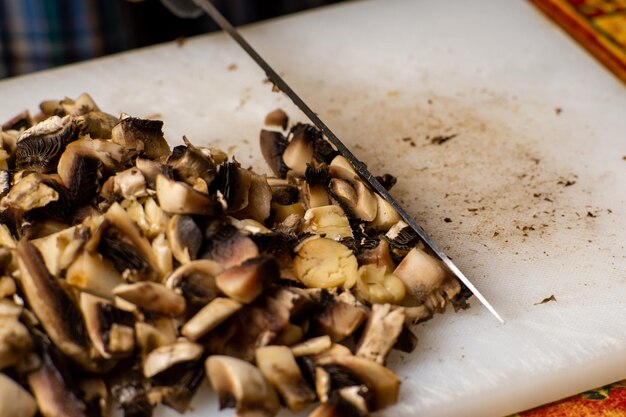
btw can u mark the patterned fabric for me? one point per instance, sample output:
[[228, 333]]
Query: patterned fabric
[[37, 34], [609, 401], [599, 26]]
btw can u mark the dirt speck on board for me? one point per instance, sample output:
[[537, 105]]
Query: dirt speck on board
[[547, 300], [232, 67], [558, 111], [181, 41]]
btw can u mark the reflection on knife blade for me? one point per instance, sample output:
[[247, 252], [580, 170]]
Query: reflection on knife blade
[[359, 166]]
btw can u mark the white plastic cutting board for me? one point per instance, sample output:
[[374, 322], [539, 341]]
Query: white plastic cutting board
[[388, 76]]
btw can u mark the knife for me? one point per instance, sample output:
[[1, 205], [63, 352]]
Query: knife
[[192, 8]]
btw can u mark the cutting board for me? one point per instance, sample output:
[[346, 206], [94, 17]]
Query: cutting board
[[529, 197]]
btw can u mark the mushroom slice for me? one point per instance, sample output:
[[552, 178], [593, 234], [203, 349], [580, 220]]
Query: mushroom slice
[[378, 255], [111, 155], [382, 382], [196, 282], [278, 118], [259, 200], [55, 310], [110, 329], [190, 163], [39, 148], [54, 397], [163, 254], [324, 263], [184, 237], [312, 346], [5, 182], [273, 145], [165, 357], [240, 385], [130, 184], [80, 174], [228, 246], [329, 221], [356, 197], [142, 135], [299, 151], [424, 275], [93, 274], [82, 105], [152, 169], [245, 282], [152, 296], [386, 215], [19, 121], [179, 198], [29, 193], [15, 401], [338, 319], [381, 332], [96, 397], [376, 286], [96, 124], [234, 183], [278, 365], [121, 242], [15, 341], [149, 336], [59, 250], [209, 317], [341, 168]]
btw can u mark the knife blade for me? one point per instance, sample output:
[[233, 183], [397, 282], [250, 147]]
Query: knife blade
[[186, 7]]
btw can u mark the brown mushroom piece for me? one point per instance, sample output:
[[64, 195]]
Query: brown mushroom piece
[[273, 145], [245, 282], [381, 332], [39, 148], [15, 341], [278, 118], [177, 197], [312, 346], [95, 396], [96, 124], [152, 296], [426, 279], [20, 121], [259, 200], [53, 395], [386, 215], [209, 317], [228, 246], [241, 385], [376, 285], [382, 382], [196, 282], [120, 241], [341, 168], [190, 163], [299, 151], [38, 195], [278, 365], [130, 184], [167, 356], [356, 197], [152, 169], [233, 183], [184, 237], [148, 337], [93, 274], [83, 104], [337, 318], [379, 255], [15, 401], [142, 135], [56, 312], [110, 329]]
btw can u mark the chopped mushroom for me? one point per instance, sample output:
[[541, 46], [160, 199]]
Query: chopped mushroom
[[15, 401], [241, 385], [381, 331], [123, 265], [279, 367]]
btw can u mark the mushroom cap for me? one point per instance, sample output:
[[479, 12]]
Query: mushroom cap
[[167, 356], [241, 385], [15, 401]]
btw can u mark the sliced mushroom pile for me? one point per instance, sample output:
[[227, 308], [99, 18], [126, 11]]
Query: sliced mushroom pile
[[130, 272]]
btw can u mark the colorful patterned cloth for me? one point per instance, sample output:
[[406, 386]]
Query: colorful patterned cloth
[[598, 25], [609, 401]]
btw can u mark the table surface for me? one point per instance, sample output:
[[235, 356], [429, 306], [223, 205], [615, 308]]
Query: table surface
[[528, 198]]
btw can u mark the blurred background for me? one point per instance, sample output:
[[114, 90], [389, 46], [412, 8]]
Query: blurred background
[[40, 34]]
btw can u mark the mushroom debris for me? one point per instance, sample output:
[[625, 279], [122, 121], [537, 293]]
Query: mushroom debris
[[130, 271]]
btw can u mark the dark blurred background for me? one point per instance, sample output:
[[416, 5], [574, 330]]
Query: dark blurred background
[[39, 34]]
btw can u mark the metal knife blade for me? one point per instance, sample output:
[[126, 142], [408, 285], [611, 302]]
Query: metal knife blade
[[359, 166]]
